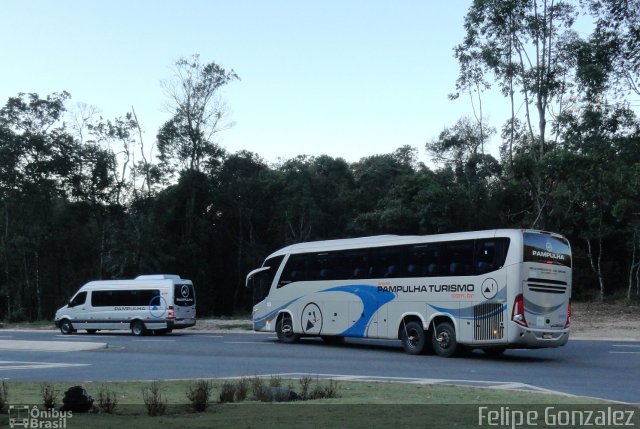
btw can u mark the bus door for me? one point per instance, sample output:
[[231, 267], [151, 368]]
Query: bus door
[[489, 313]]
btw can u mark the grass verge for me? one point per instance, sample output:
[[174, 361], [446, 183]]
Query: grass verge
[[357, 404]]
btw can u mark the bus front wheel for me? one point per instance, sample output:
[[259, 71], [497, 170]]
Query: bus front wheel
[[413, 338], [284, 330], [444, 340]]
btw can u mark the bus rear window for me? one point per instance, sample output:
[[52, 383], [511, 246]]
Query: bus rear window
[[546, 248]]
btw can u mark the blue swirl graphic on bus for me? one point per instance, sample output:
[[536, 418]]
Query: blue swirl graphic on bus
[[372, 300], [157, 307], [261, 322]]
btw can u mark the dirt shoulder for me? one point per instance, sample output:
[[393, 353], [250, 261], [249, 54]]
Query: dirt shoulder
[[617, 321]]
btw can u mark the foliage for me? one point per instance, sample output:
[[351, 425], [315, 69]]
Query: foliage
[[75, 205], [4, 395], [154, 400], [107, 400], [49, 395], [198, 394]]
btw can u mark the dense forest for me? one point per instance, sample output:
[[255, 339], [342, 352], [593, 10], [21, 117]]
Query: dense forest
[[84, 197]]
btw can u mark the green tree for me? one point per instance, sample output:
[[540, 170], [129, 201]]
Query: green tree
[[197, 114], [523, 44], [618, 29]]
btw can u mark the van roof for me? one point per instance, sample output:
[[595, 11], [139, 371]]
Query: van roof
[[158, 277], [149, 280]]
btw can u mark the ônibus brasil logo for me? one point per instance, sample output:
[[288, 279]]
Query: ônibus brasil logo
[[24, 416]]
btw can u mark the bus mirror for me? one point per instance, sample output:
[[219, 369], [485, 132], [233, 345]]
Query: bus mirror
[[252, 274]]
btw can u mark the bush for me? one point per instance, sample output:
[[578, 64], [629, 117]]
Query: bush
[[319, 391], [198, 393], [16, 316], [107, 400], [153, 400], [242, 387], [228, 393], [49, 395], [4, 395]]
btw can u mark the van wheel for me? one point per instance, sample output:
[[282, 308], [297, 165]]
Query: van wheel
[[137, 328], [284, 329], [66, 327], [444, 340], [413, 338], [91, 331]]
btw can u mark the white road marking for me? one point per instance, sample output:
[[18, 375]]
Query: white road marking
[[10, 365], [246, 342]]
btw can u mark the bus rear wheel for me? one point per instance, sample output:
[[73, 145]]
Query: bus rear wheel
[[413, 338], [284, 330], [444, 340]]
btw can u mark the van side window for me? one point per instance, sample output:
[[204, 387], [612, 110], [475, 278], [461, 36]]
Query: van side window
[[133, 297], [79, 299]]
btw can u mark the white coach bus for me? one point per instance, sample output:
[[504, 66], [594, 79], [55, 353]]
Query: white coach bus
[[157, 303], [491, 290]]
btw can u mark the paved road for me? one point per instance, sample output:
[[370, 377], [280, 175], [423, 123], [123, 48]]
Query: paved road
[[604, 369]]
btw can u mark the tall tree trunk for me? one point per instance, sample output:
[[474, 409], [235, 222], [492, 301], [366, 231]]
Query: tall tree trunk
[[37, 286], [596, 265], [634, 264]]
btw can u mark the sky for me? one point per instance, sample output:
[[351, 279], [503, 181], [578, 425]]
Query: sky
[[345, 78]]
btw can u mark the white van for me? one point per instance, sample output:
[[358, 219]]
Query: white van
[[157, 303]]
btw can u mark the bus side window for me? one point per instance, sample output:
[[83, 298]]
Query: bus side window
[[422, 260], [388, 263], [295, 270], [490, 254], [458, 258], [485, 256]]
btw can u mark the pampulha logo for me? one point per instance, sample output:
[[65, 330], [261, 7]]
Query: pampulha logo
[[24, 416]]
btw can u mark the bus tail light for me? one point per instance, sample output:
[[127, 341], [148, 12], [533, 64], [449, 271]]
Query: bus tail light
[[172, 314], [568, 324], [517, 315]]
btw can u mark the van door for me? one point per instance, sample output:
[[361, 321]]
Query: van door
[[77, 310], [184, 299]]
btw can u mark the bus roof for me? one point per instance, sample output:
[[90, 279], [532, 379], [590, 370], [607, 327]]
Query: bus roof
[[392, 240]]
